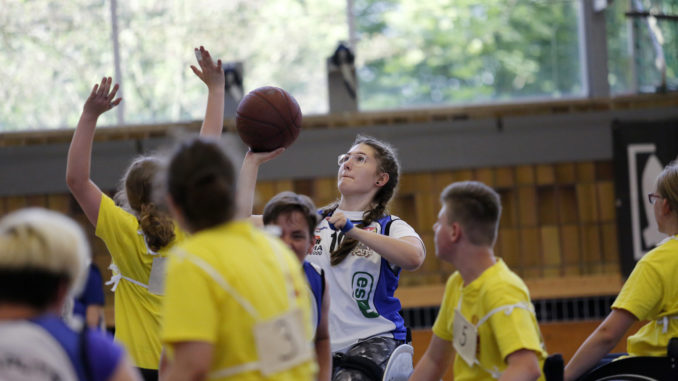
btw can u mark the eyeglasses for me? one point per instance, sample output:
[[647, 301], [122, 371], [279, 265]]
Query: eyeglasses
[[652, 197], [359, 159]]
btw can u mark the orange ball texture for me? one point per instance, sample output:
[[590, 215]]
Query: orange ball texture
[[268, 118]]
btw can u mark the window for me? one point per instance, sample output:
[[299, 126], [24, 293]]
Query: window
[[54, 52], [636, 43], [425, 52]]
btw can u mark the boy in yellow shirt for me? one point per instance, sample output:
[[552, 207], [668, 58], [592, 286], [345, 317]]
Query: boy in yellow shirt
[[486, 319]]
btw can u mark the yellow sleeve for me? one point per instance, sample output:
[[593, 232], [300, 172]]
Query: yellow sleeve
[[443, 324], [642, 293], [190, 307], [516, 330]]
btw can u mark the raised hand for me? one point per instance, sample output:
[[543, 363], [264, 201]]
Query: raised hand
[[102, 98], [259, 158], [211, 73]]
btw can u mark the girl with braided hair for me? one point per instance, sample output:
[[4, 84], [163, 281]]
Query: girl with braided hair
[[362, 250], [137, 233]]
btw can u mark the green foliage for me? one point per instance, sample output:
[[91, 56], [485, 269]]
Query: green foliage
[[428, 52], [52, 52]]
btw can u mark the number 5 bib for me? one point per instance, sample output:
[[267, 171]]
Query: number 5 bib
[[465, 334]]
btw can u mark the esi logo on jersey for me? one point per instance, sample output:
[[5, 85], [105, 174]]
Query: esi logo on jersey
[[362, 289], [372, 229]]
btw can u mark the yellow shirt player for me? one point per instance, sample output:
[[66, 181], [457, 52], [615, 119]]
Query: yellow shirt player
[[137, 237], [236, 303], [497, 304], [138, 273], [486, 319], [650, 293]]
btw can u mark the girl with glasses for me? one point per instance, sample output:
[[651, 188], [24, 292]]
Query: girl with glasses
[[650, 293], [362, 249]]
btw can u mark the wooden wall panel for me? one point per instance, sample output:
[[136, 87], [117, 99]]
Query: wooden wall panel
[[571, 246], [545, 174], [505, 177], [527, 206], [565, 173], [15, 202], [486, 176], [551, 248], [547, 205], [585, 172], [567, 204], [587, 202], [558, 220], [524, 175]]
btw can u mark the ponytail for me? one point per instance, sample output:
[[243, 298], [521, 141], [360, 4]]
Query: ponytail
[[157, 226]]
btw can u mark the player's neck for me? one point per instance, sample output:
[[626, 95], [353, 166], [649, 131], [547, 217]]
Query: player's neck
[[358, 202], [15, 312], [671, 228], [473, 261]]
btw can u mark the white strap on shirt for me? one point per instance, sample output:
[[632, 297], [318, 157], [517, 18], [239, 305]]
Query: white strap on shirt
[[508, 310], [117, 276], [244, 303], [664, 322]]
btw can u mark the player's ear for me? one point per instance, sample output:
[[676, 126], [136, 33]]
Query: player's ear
[[382, 179], [456, 232]]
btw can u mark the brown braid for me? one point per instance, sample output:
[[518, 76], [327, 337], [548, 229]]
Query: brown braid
[[136, 195], [388, 163]]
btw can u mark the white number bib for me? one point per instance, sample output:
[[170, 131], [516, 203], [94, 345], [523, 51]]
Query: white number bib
[[465, 338], [156, 281], [281, 342]]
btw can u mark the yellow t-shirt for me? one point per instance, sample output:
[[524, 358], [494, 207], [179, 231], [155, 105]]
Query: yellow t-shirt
[[651, 293], [501, 334], [137, 311], [213, 276]]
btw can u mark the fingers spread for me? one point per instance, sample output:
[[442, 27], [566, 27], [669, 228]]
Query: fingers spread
[[113, 92]]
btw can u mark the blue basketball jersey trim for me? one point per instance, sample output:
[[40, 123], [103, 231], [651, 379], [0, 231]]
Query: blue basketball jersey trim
[[385, 302], [315, 280]]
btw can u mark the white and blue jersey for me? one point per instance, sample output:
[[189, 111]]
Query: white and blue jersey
[[316, 281], [362, 285], [45, 348]]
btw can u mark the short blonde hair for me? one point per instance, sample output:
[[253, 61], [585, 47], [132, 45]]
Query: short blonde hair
[[40, 239]]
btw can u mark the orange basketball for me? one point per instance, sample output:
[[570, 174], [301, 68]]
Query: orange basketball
[[268, 118]]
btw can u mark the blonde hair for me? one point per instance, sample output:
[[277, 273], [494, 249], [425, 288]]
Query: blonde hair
[[40, 239], [667, 185], [136, 196]]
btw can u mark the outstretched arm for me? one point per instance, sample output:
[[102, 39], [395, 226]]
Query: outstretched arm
[[247, 182], [213, 76], [88, 194], [599, 343]]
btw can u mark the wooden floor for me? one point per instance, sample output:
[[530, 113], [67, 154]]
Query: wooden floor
[[563, 338]]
